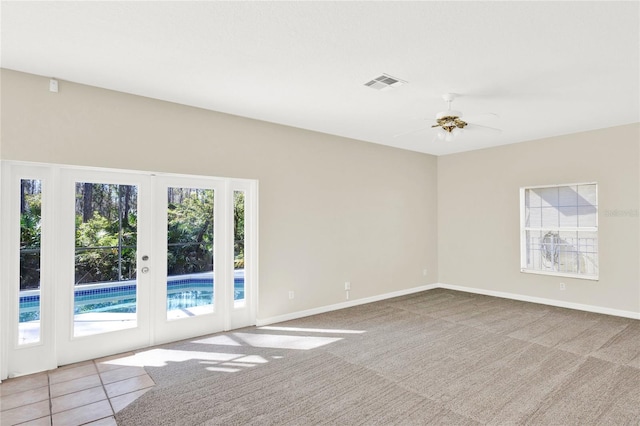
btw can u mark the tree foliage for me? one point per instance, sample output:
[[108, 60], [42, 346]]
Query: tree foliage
[[105, 250], [190, 231], [30, 234], [106, 235], [106, 232], [238, 228]]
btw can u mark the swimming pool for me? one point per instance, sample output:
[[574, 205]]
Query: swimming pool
[[120, 297]]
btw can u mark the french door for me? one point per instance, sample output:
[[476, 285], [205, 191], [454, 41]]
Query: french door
[[27, 255], [190, 227], [105, 261], [105, 285]]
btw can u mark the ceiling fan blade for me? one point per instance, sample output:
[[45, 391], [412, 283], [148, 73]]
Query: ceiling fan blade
[[483, 116], [410, 132], [471, 126]]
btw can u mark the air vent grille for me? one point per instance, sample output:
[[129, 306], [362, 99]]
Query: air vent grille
[[384, 82]]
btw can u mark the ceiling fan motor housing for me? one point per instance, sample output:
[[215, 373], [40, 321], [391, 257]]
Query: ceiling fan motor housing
[[448, 113], [449, 122]]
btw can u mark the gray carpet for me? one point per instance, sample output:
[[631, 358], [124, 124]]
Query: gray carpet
[[436, 357]]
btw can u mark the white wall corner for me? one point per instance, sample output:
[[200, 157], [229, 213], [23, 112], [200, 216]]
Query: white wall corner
[[322, 309], [524, 298]]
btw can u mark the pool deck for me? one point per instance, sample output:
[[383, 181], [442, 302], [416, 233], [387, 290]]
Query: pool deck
[[103, 322], [90, 323]]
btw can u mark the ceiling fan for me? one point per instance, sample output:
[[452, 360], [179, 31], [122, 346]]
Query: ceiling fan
[[449, 123]]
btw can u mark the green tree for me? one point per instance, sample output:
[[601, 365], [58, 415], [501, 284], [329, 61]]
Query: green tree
[[30, 234], [190, 231], [106, 235], [97, 245], [238, 229]]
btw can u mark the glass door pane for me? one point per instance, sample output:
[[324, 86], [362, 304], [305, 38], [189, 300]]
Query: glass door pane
[[105, 290], [30, 254], [238, 248], [190, 256]]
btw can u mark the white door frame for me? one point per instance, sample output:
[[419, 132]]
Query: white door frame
[[41, 355], [57, 345]]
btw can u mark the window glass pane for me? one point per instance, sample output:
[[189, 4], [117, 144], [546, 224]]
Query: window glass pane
[[567, 196], [534, 217], [533, 197], [550, 217], [30, 237], [587, 195], [548, 196], [587, 216], [533, 249], [190, 261], [568, 216], [238, 248], [567, 252], [588, 248], [549, 251], [105, 291]]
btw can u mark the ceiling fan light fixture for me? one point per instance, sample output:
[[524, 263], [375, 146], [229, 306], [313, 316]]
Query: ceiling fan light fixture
[[448, 136]]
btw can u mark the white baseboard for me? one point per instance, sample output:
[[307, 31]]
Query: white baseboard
[[342, 305], [504, 295], [544, 301]]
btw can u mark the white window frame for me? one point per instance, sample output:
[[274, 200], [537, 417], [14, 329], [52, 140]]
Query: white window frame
[[523, 234]]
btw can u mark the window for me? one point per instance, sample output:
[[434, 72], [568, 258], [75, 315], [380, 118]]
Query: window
[[559, 230], [30, 265]]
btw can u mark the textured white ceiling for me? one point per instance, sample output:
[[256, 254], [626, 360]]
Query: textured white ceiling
[[546, 68]]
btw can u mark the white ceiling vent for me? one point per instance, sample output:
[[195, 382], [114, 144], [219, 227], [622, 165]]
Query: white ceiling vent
[[385, 82]]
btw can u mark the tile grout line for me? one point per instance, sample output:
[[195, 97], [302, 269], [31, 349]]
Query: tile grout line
[[104, 389], [50, 400], [101, 385]]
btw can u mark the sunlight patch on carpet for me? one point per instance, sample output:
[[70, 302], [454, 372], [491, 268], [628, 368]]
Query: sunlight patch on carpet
[[280, 341], [161, 357], [312, 330]]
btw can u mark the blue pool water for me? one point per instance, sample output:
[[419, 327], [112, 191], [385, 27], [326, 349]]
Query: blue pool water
[[183, 293]]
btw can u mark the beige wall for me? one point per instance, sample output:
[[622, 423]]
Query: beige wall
[[334, 209], [331, 209], [478, 215]]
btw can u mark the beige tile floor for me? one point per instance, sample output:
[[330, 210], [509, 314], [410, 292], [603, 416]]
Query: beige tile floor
[[87, 393]]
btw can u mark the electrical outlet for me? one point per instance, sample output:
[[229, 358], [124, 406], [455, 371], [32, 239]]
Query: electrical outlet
[[53, 85], [347, 285], [291, 295], [562, 286], [424, 272]]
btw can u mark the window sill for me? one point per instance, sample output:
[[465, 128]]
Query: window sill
[[560, 274]]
